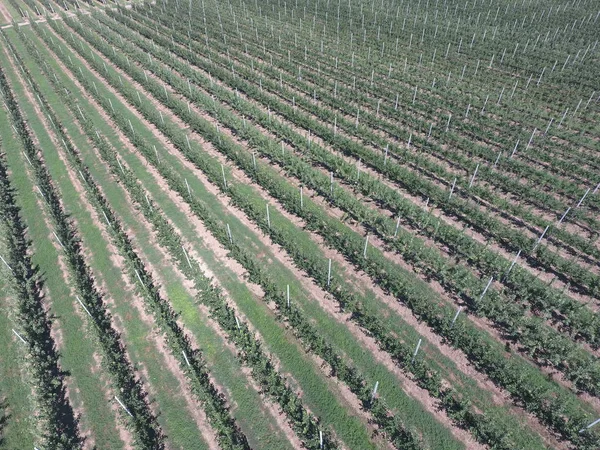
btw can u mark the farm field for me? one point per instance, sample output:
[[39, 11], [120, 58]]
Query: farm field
[[314, 224]]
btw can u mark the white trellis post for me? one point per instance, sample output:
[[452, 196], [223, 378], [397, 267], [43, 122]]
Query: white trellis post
[[288, 296], [582, 198], [564, 215], [416, 351], [188, 187], [301, 198], [452, 189], [229, 234], [19, 336], [320, 439], [268, 217], [224, 179], [498, 158], [331, 183], [515, 148], [512, 264], [61, 244], [6, 264], [448, 123], [185, 357], [374, 393], [563, 117], [123, 406], [473, 177], [455, 317], [540, 238], [329, 273], [186, 256], [365, 248], [156, 153], [397, 227], [590, 425], [487, 286], [531, 139]]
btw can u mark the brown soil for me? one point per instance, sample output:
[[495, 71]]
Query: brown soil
[[5, 13]]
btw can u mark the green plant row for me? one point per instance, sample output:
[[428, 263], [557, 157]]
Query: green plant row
[[190, 359], [273, 383], [146, 431], [529, 331], [513, 373], [486, 128], [483, 222], [55, 417], [383, 86], [487, 429]]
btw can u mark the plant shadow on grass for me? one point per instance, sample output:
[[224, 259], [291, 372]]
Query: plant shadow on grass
[[4, 418]]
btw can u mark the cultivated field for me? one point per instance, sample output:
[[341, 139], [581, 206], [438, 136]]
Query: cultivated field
[[351, 224]]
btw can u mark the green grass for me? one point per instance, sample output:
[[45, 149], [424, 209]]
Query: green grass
[[408, 408], [16, 407], [261, 428], [317, 388], [175, 419], [85, 386]]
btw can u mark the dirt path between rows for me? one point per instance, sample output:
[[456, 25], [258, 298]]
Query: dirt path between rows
[[206, 237], [124, 434], [289, 264], [467, 437], [448, 220], [5, 13]]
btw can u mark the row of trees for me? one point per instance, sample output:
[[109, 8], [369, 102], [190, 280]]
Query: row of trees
[[265, 178], [271, 381], [146, 430], [55, 419], [578, 318], [189, 358], [510, 317]]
